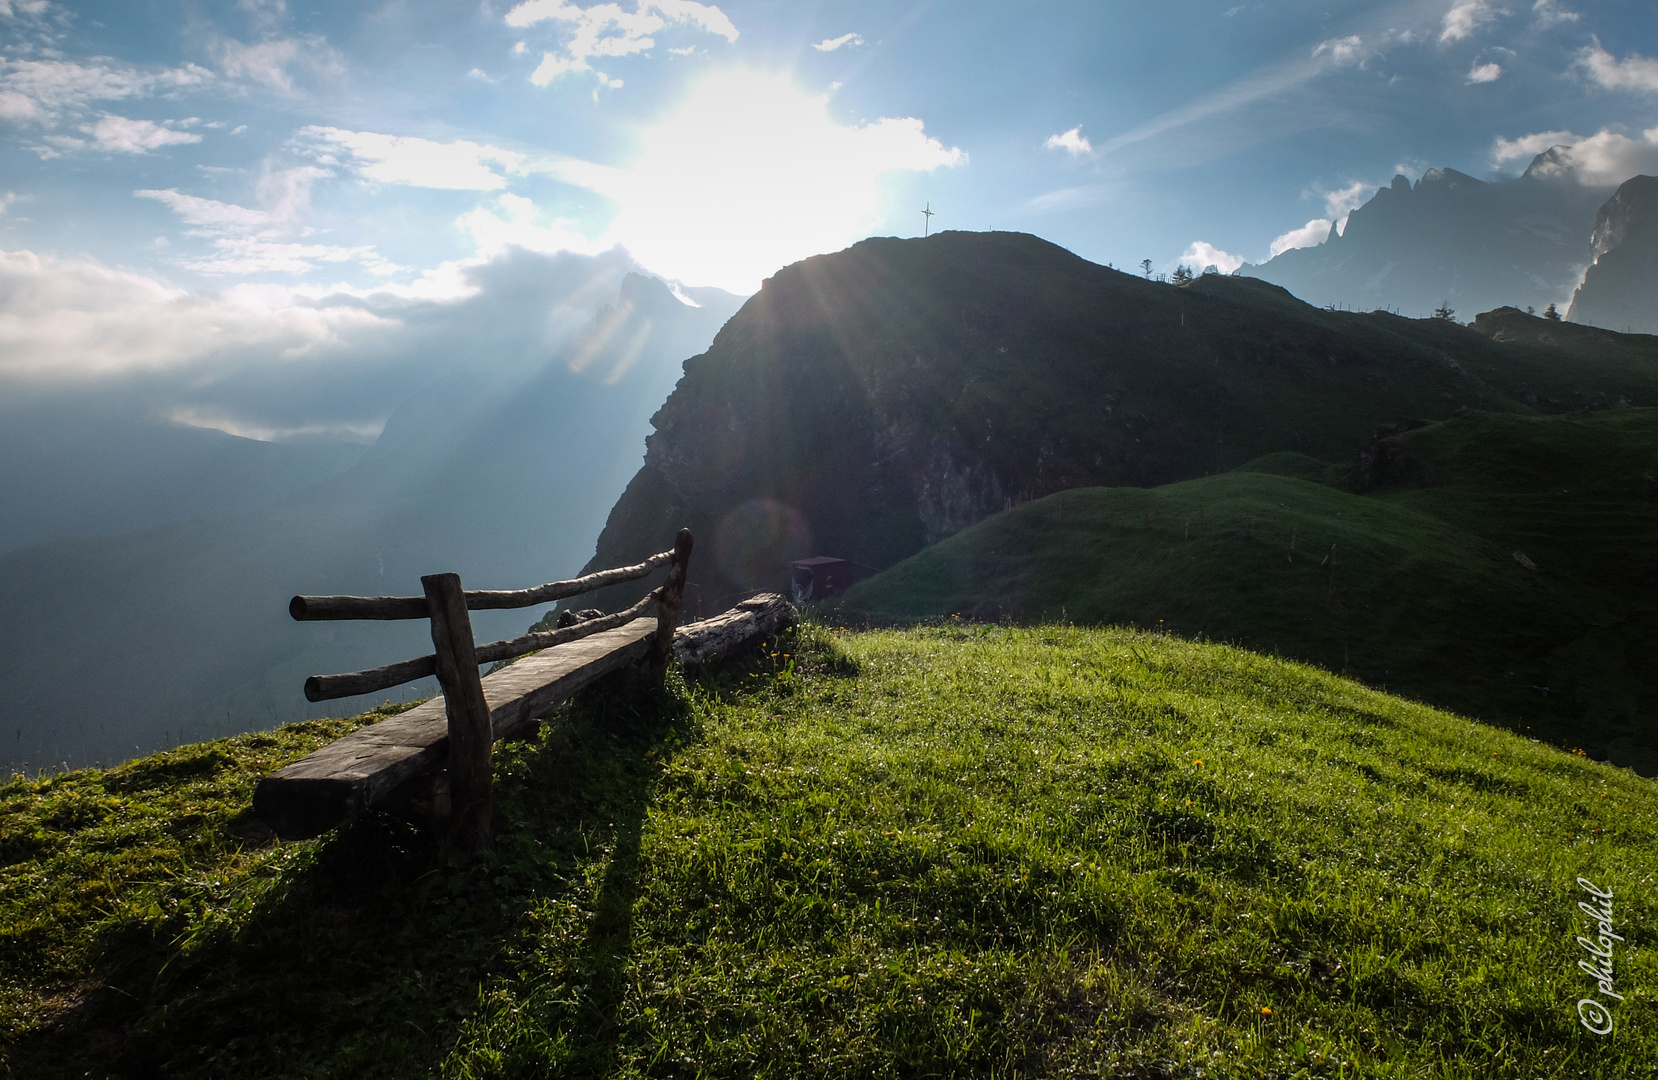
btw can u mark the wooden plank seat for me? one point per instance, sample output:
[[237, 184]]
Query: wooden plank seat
[[322, 789], [373, 764]]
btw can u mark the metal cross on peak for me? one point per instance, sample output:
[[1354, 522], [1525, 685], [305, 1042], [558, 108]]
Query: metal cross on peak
[[928, 215]]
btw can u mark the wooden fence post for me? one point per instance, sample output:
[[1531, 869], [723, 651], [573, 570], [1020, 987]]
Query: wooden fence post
[[470, 733], [667, 607]]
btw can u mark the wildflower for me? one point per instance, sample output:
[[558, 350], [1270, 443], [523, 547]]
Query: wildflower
[[1265, 1011]]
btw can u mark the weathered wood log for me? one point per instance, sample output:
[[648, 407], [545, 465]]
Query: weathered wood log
[[321, 790], [316, 608], [351, 683], [745, 625], [471, 734], [672, 596]]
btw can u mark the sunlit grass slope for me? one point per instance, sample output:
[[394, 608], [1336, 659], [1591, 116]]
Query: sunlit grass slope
[[967, 851], [1411, 585]]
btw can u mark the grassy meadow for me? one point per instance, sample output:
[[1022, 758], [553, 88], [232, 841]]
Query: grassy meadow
[[962, 850], [1406, 578]]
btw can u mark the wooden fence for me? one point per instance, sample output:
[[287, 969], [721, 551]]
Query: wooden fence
[[362, 768]]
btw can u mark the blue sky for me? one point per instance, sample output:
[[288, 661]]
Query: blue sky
[[189, 186]]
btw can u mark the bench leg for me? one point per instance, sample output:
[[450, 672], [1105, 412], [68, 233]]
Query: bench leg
[[471, 735], [667, 607]]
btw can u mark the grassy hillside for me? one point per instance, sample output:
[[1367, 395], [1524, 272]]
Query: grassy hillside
[[965, 850], [1410, 585]]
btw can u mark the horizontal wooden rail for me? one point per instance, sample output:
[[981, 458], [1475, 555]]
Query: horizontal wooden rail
[[319, 608], [329, 687]]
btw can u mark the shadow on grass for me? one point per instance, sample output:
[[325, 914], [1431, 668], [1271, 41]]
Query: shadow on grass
[[365, 953]]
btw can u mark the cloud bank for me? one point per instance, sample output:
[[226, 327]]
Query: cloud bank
[[1309, 235], [1200, 255], [1604, 159]]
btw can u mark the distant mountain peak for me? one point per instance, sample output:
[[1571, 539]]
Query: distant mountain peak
[[1450, 237], [1553, 162], [1447, 178]]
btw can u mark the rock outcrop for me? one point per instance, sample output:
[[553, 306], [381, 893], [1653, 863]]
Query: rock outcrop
[[1620, 289]]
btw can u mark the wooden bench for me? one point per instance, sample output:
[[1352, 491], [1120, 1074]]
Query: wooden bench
[[416, 758]]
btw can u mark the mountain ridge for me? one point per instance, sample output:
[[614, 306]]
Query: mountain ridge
[[1452, 239], [868, 403]]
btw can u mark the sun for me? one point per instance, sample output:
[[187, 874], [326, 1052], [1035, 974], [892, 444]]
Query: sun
[[752, 173]]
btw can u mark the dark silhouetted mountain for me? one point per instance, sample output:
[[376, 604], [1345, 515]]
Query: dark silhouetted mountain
[[1620, 289], [872, 402], [119, 644], [1450, 239]]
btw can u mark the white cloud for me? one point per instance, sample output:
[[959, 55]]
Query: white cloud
[[6, 200], [406, 159], [221, 419], [1200, 255], [1527, 147], [1073, 142], [1604, 159], [514, 221], [120, 135], [243, 255], [208, 213], [75, 319], [1637, 72], [44, 92], [831, 44], [750, 175], [1071, 198], [22, 9], [1344, 200], [246, 240], [274, 62], [1464, 18], [1275, 79], [1342, 51], [1549, 13], [264, 15], [1309, 235], [1484, 73], [607, 30]]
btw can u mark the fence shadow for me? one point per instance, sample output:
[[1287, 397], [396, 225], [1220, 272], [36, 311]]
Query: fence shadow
[[370, 952]]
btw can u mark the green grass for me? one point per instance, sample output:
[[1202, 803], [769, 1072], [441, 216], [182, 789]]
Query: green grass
[[1411, 585], [956, 851]]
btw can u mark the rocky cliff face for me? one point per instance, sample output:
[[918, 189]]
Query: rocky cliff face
[[1451, 238], [1620, 289], [868, 403]]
